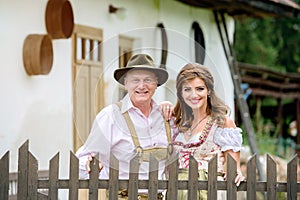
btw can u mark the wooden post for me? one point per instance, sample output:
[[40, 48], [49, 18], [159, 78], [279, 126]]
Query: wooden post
[[173, 178], [298, 126], [113, 177], [231, 175], [53, 177], [94, 176], [153, 178], [193, 179], [23, 172], [4, 176], [292, 179], [32, 177], [133, 178], [73, 176], [251, 179], [271, 178], [212, 178]]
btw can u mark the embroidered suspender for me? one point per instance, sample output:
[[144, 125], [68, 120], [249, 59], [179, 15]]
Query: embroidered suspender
[[160, 153]]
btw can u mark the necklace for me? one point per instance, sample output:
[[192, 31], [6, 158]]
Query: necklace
[[190, 132], [206, 130]]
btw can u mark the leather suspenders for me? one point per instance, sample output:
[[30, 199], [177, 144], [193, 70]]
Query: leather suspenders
[[160, 153]]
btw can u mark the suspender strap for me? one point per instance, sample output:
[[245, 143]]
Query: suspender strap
[[168, 131], [133, 131]]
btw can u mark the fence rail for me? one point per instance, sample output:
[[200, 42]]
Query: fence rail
[[30, 184]]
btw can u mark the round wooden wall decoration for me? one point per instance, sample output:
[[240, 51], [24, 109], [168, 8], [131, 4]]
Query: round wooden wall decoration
[[59, 19], [37, 54]]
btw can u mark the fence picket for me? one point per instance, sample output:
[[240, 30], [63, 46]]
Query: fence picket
[[292, 179], [29, 183], [4, 176], [271, 178], [193, 179], [32, 177], [74, 177], [153, 177], [230, 177], [251, 180], [93, 181], [133, 178], [113, 178], [173, 178], [41, 196], [23, 171], [212, 179], [53, 177]]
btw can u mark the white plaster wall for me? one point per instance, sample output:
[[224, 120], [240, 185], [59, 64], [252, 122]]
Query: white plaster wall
[[39, 108], [140, 19]]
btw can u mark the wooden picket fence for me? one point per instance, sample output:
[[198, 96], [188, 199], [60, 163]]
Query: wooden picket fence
[[29, 184]]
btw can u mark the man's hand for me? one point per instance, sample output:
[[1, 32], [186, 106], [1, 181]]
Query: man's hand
[[88, 162], [167, 109]]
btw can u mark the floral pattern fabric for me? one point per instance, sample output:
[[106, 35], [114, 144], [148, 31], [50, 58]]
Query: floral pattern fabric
[[217, 140]]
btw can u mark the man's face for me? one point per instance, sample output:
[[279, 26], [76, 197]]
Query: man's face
[[141, 85]]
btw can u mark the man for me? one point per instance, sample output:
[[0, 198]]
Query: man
[[132, 126]]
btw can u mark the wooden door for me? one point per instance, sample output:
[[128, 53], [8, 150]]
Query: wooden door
[[88, 84]]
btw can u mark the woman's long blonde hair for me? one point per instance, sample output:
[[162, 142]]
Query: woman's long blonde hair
[[216, 108]]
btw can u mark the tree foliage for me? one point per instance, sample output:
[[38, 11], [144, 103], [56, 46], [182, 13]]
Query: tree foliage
[[270, 42]]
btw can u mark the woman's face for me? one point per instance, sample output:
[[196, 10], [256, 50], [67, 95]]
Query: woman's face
[[194, 93]]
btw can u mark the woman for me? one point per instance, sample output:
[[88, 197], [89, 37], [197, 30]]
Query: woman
[[204, 129]]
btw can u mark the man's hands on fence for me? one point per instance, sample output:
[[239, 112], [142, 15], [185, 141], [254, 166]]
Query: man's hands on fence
[[88, 162]]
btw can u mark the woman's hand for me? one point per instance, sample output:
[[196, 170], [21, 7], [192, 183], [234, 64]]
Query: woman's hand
[[239, 175], [167, 109], [88, 162], [239, 178]]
